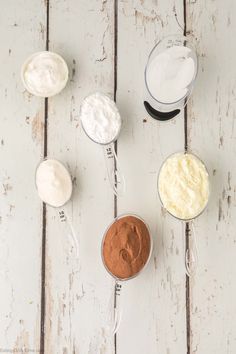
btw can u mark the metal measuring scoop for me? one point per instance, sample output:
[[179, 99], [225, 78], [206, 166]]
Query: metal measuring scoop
[[63, 216], [190, 245], [115, 176], [120, 281]]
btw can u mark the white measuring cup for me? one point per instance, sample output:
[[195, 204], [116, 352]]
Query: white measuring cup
[[119, 282], [189, 244], [115, 176], [62, 214]]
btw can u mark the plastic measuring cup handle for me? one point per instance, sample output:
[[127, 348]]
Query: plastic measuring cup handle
[[115, 176], [70, 230], [117, 308], [191, 252], [162, 116]]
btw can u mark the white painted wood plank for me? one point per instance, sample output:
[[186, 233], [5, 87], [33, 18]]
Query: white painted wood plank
[[79, 301], [154, 303], [212, 134], [22, 31]]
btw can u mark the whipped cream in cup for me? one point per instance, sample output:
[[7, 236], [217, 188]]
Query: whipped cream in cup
[[44, 74], [53, 183]]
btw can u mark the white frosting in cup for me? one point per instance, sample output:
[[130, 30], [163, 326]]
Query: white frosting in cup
[[53, 182], [44, 74]]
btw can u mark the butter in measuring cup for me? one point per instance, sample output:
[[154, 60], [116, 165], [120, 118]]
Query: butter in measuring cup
[[183, 185]]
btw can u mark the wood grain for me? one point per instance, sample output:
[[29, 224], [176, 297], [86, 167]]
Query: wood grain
[[154, 318], [106, 44], [22, 31], [211, 133], [79, 298]]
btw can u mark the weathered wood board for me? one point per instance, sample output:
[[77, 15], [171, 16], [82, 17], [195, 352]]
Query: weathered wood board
[[22, 31], [79, 298], [106, 44], [154, 303], [211, 133]]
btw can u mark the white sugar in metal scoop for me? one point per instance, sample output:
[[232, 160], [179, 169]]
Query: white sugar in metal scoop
[[100, 118], [101, 122]]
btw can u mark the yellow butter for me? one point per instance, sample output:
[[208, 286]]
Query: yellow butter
[[184, 185]]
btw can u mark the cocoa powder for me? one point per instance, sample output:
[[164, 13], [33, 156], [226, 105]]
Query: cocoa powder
[[126, 247]]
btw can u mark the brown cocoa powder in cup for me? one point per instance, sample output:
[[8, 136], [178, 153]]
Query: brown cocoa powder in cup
[[126, 247]]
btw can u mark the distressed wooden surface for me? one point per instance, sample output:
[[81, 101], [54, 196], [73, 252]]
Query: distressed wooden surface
[[154, 303], [212, 134], [80, 298], [106, 44], [21, 136]]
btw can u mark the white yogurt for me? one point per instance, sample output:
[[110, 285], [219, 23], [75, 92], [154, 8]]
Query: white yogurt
[[100, 118], [53, 182], [44, 74], [170, 73]]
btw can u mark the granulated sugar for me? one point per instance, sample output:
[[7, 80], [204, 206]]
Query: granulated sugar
[[170, 73]]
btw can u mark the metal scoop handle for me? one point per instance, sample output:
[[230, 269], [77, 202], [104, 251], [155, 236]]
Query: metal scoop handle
[[115, 176], [69, 230], [117, 308], [190, 250]]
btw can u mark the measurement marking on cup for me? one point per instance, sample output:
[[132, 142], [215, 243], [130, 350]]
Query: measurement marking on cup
[[118, 289], [62, 216], [109, 153]]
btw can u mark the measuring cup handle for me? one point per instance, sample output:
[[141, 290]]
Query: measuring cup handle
[[115, 176], [162, 116], [191, 252], [71, 232], [117, 307]]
